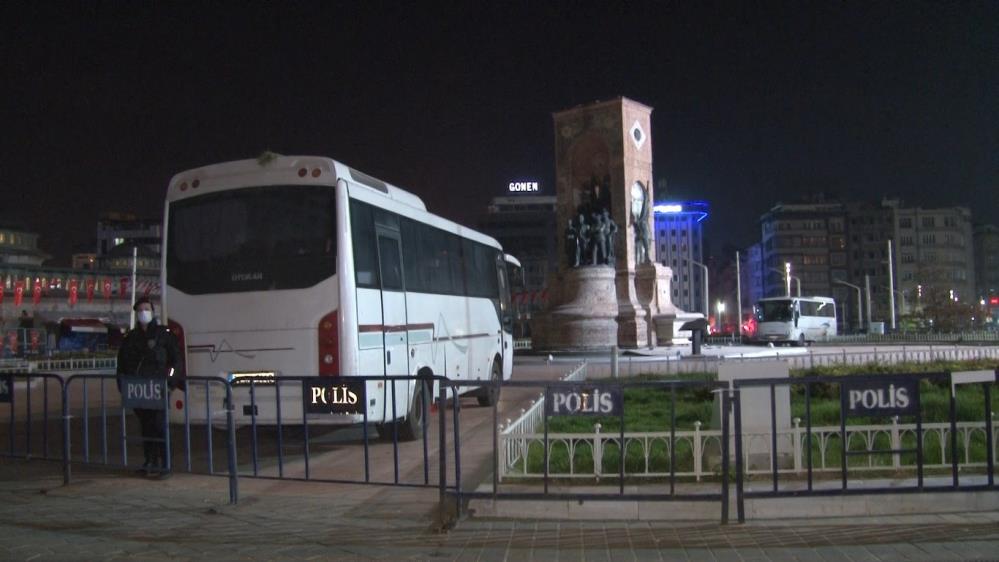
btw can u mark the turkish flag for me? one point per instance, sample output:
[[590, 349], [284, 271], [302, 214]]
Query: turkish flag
[[18, 293], [122, 287], [36, 293], [74, 291], [35, 339], [90, 290], [106, 288], [1, 294], [12, 340]]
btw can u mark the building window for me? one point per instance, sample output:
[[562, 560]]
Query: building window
[[908, 258], [929, 222], [905, 241], [950, 222], [929, 239], [905, 222]]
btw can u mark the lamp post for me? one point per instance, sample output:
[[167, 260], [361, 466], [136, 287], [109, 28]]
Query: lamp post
[[860, 311], [787, 280], [891, 286], [901, 299], [707, 308], [738, 294]]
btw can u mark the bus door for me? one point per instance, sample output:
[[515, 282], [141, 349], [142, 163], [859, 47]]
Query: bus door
[[395, 336]]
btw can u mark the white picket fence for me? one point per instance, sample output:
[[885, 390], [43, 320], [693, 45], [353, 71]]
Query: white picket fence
[[530, 419], [698, 451]]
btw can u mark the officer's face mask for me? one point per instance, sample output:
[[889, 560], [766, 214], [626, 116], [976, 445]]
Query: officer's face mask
[[145, 317]]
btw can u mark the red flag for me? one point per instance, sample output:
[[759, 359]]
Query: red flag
[[1, 296], [12, 340], [90, 290], [123, 287], [106, 288], [74, 291], [18, 293], [35, 337], [36, 293]]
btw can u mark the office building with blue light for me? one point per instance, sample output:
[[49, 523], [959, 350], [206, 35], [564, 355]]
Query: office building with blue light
[[679, 246]]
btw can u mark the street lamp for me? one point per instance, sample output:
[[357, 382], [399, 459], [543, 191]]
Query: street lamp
[[787, 278], [707, 309], [720, 307], [860, 310]]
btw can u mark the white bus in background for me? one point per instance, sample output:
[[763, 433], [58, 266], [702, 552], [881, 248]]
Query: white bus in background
[[798, 320], [303, 266]]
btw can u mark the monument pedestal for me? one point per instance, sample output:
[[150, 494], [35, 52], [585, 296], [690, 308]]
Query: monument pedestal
[[584, 313], [652, 283], [632, 317]]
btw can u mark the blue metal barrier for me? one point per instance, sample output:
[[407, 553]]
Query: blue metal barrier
[[20, 430], [865, 397]]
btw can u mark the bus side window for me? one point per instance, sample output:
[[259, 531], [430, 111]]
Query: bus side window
[[365, 252]]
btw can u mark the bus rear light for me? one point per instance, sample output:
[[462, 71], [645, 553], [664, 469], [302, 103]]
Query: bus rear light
[[183, 186], [195, 184], [179, 404], [316, 172], [329, 345], [302, 172]]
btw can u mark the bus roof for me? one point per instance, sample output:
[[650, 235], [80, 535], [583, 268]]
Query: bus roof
[[275, 169], [278, 169]]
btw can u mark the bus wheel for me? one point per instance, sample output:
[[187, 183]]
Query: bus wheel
[[490, 394], [412, 427]]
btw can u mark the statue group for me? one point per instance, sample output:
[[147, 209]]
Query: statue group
[[590, 241]]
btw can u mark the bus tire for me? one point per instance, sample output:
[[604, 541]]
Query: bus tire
[[490, 394], [411, 428]]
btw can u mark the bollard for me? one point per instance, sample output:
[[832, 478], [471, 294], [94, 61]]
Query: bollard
[[614, 364]]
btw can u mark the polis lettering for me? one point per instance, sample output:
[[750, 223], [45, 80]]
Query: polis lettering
[[583, 402], [144, 393], [889, 397], [343, 397]]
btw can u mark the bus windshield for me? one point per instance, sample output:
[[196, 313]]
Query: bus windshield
[[774, 311], [252, 239]]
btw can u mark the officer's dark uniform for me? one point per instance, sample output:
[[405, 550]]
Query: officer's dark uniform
[[150, 352]]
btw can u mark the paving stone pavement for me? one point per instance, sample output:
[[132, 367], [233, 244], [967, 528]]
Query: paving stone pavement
[[107, 515]]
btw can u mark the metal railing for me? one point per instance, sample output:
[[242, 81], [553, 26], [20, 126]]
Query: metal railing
[[796, 358], [205, 432]]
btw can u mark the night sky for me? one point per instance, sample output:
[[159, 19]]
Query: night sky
[[103, 102]]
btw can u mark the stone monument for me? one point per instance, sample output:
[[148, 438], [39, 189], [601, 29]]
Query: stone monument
[[607, 290]]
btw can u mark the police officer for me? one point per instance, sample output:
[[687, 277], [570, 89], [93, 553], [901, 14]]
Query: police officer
[[150, 350]]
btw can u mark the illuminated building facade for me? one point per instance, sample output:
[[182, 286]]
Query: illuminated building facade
[[679, 246]]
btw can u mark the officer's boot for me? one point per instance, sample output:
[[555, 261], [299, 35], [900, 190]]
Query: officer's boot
[[164, 471], [147, 453]]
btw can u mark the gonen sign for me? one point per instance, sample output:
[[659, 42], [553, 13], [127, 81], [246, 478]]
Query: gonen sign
[[883, 397], [321, 396], [6, 389], [578, 401]]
